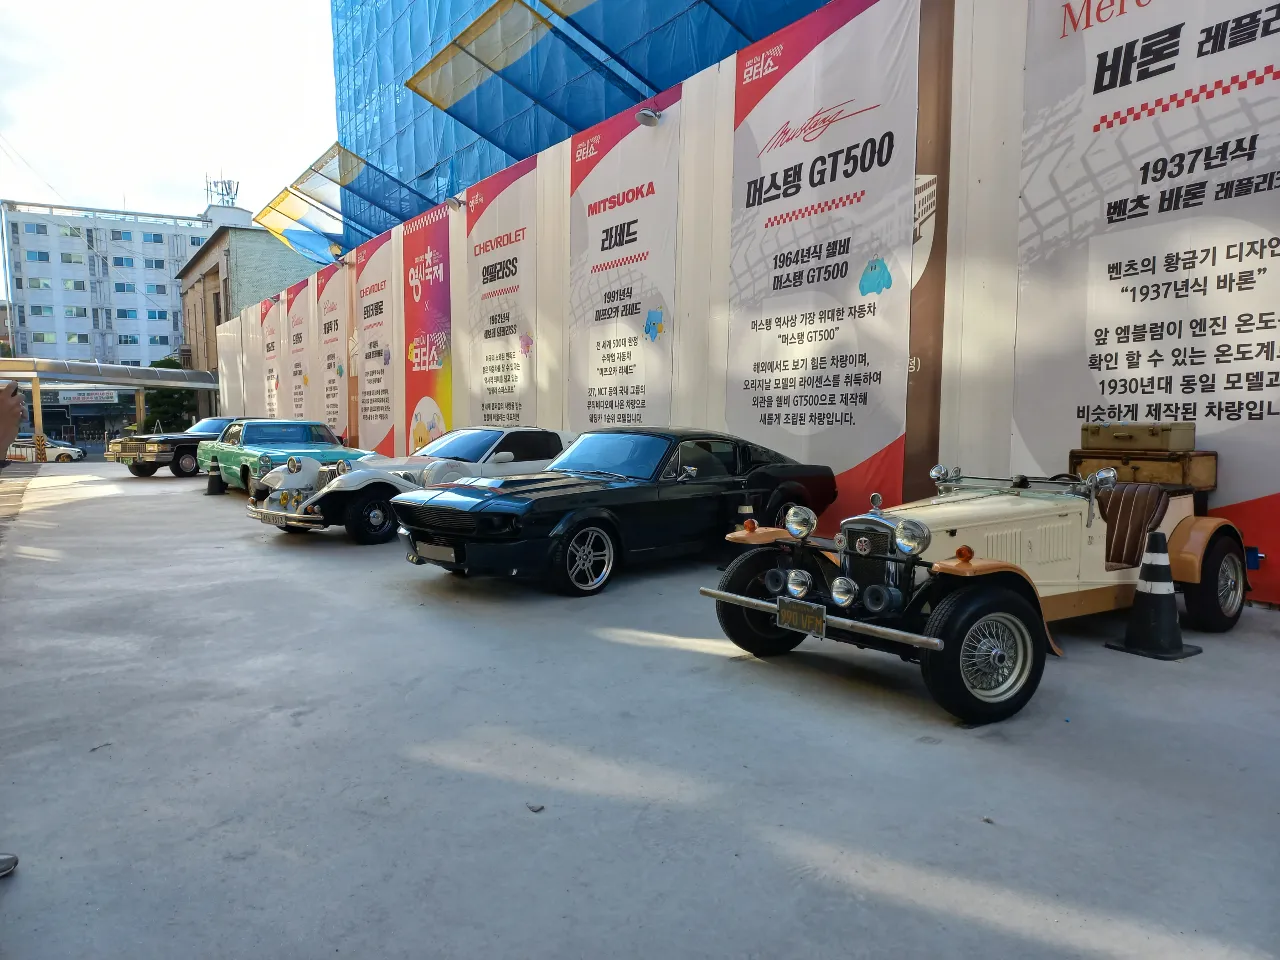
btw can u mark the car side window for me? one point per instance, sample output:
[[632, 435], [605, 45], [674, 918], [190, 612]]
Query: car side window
[[521, 444], [712, 458], [233, 433], [551, 445]]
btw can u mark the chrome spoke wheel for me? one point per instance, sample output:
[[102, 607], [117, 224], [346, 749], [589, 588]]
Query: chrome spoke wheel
[[589, 558], [995, 657], [1230, 585], [375, 515]]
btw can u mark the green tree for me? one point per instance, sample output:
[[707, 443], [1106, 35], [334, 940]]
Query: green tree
[[172, 409]]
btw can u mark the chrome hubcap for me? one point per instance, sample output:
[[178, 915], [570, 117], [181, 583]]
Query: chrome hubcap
[[1230, 585], [589, 558], [376, 516], [995, 657], [187, 464]]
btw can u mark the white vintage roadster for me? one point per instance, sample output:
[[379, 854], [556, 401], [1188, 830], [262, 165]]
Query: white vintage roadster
[[305, 495]]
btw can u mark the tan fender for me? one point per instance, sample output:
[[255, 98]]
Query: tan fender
[[760, 536], [1187, 545], [982, 568]]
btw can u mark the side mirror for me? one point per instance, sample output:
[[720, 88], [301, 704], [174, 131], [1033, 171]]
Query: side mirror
[[687, 473], [506, 456]]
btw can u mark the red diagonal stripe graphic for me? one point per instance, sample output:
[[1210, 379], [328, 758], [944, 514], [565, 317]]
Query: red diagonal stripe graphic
[[813, 209], [620, 262], [499, 292], [1191, 95]]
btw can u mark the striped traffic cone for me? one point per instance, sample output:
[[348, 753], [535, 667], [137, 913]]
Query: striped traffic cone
[[1153, 629]]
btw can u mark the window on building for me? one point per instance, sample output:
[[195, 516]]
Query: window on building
[[22, 315], [13, 229], [75, 313], [104, 266], [121, 234], [131, 363], [39, 337], [157, 314], [76, 285], [39, 229], [37, 256], [125, 288], [122, 314], [127, 339], [77, 338], [161, 340], [157, 288], [122, 261], [38, 310], [73, 258], [39, 283], [88, 238], [153, 238], [95, 319], [197, 241], [70, 231], [175, 326], [217, 308], [17, 282], [151, 264]]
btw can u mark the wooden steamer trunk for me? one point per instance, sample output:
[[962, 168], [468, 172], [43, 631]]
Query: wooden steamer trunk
[[1148, 453]]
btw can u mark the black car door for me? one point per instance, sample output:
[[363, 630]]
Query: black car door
[[700, 491]]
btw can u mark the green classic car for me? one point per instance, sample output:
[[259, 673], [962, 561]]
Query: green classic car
[[249, 449]]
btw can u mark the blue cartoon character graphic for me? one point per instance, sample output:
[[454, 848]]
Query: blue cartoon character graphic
[[654, 325], [386, 357], [875, 278]]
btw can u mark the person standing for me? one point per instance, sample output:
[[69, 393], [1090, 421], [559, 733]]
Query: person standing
[[11, 414]]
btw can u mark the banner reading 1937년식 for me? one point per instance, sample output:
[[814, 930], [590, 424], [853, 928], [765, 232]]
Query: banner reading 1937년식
[[375, 339], [1150, 238], [823, 212], [624, 179], [502, 301]]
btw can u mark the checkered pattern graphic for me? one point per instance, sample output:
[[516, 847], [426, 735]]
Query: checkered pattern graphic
[[620, 262], [1205, 92], [501, 291], [813, 209]]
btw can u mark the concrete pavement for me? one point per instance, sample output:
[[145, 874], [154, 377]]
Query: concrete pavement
[[220, 741]]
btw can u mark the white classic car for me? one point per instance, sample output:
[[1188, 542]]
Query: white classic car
[[966, 582], [304, 495]]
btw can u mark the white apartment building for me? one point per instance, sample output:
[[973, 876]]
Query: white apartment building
[[89, 284]]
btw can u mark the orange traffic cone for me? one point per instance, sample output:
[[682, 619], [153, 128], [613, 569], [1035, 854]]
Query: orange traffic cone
[[1153, 629]]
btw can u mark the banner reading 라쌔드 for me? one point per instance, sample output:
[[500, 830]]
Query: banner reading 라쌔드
[[1150, 239], [624, 184], [503, 295], [297, 379], [330, 331], [428, 365], [271, 319], [823, 213], [374, 341]]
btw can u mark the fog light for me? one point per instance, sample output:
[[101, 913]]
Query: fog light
[[775, 581], [844, 591], [798, 583], [880, 599]]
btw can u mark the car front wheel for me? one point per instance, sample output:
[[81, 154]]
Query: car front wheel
[[369, 518], [63, 458], [1215, 603], [754, 631], [583, 562], [993, 654], [143, 469], [184, 464]]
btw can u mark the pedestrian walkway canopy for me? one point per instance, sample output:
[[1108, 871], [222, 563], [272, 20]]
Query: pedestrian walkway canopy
[[106, 374]]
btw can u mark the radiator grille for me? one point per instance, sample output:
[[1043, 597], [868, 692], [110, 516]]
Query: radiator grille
[[327, 476], [132, 448], [434, 519], [864, 570]]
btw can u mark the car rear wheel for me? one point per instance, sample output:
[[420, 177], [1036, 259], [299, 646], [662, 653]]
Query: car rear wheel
[[1215, 603], [184, 464], [755, 632], [776, 513], [143, 469], [369, 517], [584, 561], [993, 654]]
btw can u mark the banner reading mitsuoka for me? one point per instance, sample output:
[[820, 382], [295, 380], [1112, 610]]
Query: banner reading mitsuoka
[[375, 338], [823, 211], [273, 350], [1150, 239], [624, 179], [428, 370]]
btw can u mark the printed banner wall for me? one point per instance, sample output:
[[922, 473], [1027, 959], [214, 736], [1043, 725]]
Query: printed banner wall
[[502, 299], [428, 369], [298, 310], [331, 325], [823, 210], [375, 335], [1150, 239], [253, 378], [624, 180], [274, 352]]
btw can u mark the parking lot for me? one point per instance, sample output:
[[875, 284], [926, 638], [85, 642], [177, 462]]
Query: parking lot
[[220, 741]]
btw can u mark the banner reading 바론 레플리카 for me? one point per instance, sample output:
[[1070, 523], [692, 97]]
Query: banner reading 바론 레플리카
[[271, 319], [502, 296], [823, 210], [330, 329], [428, 363], [1150, 239], [624, 181], [375, 339], [296, 382]]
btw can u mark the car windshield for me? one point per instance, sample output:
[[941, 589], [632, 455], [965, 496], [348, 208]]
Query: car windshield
[[210, 425], [633, 455], [465, 445], [288, 433]]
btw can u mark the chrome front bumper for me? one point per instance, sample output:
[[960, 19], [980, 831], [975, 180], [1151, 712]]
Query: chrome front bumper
[[161, 458], [278, 518], [839, 623]]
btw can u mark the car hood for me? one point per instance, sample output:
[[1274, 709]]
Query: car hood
[[166, 437], [973, 508], [317, 452], [517, 493]]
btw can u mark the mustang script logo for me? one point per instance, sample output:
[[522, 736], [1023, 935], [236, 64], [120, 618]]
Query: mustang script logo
[[814, 127], [863, 546]]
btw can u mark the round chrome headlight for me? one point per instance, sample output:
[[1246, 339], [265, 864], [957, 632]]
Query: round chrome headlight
[[911, 537], [800, 522], [938, 473], [798, 581], [343, 466], [265, 462], [844, 591], [294, 464]]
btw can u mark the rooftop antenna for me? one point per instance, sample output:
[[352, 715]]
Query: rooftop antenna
[[221, 192]]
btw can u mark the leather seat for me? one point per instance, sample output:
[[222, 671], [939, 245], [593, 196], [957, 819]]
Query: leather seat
[[1131, 511]]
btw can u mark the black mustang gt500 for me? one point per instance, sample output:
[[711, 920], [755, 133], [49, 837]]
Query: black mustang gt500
[[626, 493]]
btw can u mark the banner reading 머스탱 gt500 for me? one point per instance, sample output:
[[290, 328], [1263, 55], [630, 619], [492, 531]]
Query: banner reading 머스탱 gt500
[[823, 210], [1149, 251]]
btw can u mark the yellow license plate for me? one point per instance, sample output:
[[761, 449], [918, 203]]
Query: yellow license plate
[[802, 617]]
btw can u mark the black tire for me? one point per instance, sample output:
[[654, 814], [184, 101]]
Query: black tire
[[294, 530], [62, 458], [573, 580], [1215, 603], [184, 464], [984, 622], [753, 631], [370, 518], [143, 469], [247, 480], [217, 486]]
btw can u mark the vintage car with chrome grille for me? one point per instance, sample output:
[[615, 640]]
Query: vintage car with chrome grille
[[966, 582], [247, 450], [145, 454], [307, 495]]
